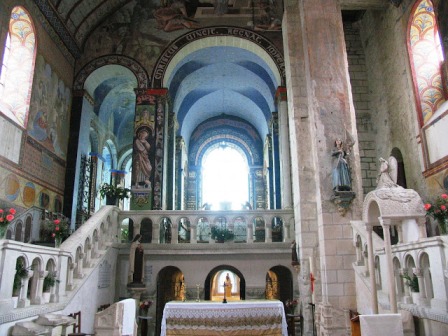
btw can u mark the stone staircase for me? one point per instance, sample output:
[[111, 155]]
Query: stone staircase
[[47, 325]]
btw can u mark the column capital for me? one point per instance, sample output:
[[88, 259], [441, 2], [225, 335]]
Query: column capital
[[281, 94]]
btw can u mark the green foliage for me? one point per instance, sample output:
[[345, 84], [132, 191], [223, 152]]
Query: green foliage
[[21, 272], [49, 281], [109, 190], [411, 282], [221, 234], [124, 235], [51, 229]]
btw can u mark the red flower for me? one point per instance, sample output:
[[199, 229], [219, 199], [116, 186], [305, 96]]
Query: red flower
[[444, 196], [12, 211], [427, 206], [53, 234], [56, 222], [443, 207], [57, 228], [1, 211], [1, 219], [9, 218]]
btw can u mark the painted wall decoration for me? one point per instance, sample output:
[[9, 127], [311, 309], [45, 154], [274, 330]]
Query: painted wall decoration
[[24, 193], [142, 29], [50, 108]]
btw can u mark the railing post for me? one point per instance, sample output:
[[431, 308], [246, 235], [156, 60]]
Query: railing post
[[250, 232], [175, 233], [71, 270], [371, 263], [36, 291], [23, 300], [193, 233], [54, 291], [79, 273]]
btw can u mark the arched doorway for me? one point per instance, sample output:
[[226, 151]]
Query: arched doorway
[[215, 279], [170, 282]]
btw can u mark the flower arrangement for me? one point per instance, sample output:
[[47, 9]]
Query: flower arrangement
[[109, 190], [145, 305], [438, 210], [290, 305], [6, 217], [56, 230]]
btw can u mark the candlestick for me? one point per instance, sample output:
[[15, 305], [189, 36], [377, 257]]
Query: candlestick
[[197, 292]]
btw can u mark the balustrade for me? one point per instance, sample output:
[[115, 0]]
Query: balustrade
[[80, 252]]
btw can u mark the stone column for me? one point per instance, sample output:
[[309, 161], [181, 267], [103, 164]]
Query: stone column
[[421, 222], [371, 262], [79, 274], [87, 253], [71, 269], [407, 292], [386, 223], [54, 291], [268, 233], [421, 285], [193, 233], [174, 233], [250, 232], [95, 253], [23, 300], [36, 291], [285, 154]]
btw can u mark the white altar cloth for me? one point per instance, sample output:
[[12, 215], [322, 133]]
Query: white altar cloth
[[254, 317]]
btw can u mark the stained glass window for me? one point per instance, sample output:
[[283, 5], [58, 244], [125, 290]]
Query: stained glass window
[[16, 76], [426, 59]]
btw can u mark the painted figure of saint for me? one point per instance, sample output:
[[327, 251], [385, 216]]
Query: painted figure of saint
[[142, 165]]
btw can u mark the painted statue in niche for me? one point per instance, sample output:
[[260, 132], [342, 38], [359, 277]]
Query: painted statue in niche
[[50, 104], [341, 169]]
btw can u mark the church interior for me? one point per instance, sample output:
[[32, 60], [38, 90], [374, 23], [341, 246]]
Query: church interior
[[263, 155]]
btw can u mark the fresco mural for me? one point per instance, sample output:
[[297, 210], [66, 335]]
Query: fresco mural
[[50, 108], [142, 29], [23, 193]]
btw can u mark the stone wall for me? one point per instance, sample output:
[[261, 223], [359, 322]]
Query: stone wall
[[361, 101], [39, 170], [392, 103]]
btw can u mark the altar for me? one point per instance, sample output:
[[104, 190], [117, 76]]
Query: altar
[[240, 318]]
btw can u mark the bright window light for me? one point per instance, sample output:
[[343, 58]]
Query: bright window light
[[225, 179]]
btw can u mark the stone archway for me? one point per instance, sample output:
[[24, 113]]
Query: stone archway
[[212, 273], [228, 36]]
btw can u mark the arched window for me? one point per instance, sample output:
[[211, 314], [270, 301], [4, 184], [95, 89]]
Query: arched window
[[426, 59], [17, 70]]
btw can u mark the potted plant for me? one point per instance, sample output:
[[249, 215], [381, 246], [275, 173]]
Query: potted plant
[[21, 272], [57, 230], [438, 210], [221, 234], [113, 193], [5, 218], [412, 282], [49, 281]]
